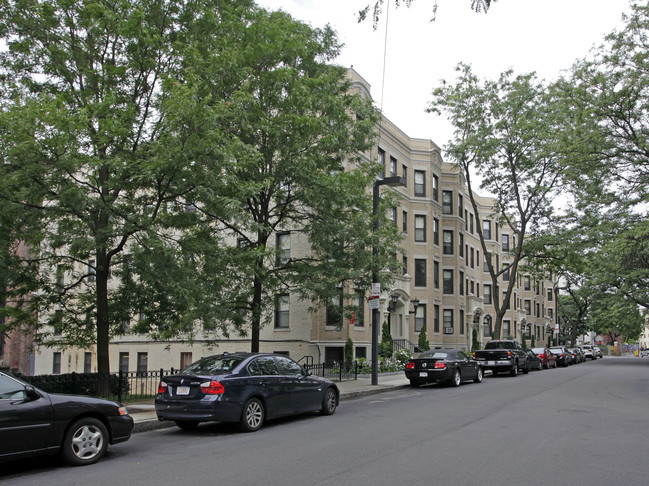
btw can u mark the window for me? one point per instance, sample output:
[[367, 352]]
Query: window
[[57, 322], [420, 317], [263, 366], [486, 229], [528, 307], [290, 367], [404, 221], [506, 272], [448, 281], [435, 188], [472, 258], [436, 274], [393, 166], [404, 174], [487, 294], [436, 231], [420, 227], [335, 311], [87, 362], [448, 321], [461, 321], [283, 246], [550, 313], [527, 283], [185, 359], [471, 224], [361, 352], [381, 162], [505, 242], [460, 205], [393, 215], [359, 312], [420, 272], [506, 328], [461, 282], [123, 362], [436, 319], [448, 242], [447, 202], [405, 265], [485, 263], [550, 295], [461, 245], [334, 355], [142, 363], [60, 272], [420, 183], [92, 271], [282, 311], [56, 363]]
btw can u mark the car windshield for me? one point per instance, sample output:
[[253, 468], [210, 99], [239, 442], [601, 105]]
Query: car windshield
[[437, 355], [214, 365], [538, 350]]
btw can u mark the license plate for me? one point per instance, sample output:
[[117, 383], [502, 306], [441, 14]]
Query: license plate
[[423, 374], [182, 390], [491, 363]]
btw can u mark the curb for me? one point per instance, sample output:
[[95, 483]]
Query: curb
[[155, 424]]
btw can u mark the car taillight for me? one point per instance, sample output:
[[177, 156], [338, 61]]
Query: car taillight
[[509, 354], [410, 365], [212, 388], [440, 365], [162, 387]]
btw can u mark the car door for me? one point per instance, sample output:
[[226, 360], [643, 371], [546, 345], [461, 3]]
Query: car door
[[273, 385], [468, 367], [25, 418], [306, 391]]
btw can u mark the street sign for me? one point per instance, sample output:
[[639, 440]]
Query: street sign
[[376, 289], [375, 302]]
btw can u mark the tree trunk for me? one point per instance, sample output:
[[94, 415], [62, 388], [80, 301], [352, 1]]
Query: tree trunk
[[103, 327]]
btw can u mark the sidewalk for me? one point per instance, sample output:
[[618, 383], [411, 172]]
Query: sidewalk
[[145, 417]]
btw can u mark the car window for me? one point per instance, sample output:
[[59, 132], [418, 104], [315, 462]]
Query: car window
[[265, 365], [432, 354], [11, 389], [213, 365], [461, 355], [290, 366]]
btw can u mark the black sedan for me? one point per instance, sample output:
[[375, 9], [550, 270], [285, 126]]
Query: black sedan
[[535, 362], [246, 388], [443, 366], [33, 422], [562, 355]]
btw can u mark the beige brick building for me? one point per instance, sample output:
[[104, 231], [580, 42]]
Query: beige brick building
[[443, 270]]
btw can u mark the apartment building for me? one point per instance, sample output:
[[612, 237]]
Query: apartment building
[[444, 285]]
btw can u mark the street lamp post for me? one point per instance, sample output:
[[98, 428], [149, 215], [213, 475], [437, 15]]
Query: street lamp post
[[387, 181]]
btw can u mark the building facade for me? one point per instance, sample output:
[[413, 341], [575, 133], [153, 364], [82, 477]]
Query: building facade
[[443, 287]]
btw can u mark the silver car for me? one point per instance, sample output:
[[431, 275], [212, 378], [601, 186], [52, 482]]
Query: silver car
[[589, 352]]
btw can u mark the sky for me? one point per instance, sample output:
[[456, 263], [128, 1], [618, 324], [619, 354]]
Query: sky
[[542, 36]]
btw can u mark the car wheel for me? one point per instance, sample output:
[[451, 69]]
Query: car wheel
[[526, 369], [457, 378], [514, 370], [252, 417], [85, 442], [479, 376], [540, 365], [329, 402], [555, 363], [187, 424], [414, 383]]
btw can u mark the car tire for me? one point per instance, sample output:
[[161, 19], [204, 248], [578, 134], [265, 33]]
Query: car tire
[[85, 442], [456, 380], [415, 383], [252, 416], [187, 424], [329, 402], [514, 370], [479, 376], [526, 368]]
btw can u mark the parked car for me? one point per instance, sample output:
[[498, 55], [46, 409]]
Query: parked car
[[247, 388], [535, 362], [503, 355], [588, 351], [598, 352], [548, 359], [577, 355], [562, 355], [33, 422], [443, 366]]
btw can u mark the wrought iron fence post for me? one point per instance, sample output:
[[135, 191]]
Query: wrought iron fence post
[[119, 385]]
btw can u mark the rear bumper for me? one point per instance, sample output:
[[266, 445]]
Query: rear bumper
[[429, 376], [199, 410]]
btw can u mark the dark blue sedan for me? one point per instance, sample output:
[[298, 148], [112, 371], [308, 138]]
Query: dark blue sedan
[[443, 366], [246, 388]]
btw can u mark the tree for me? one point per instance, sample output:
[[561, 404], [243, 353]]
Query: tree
[[386, 347], [293, 179], [349, 353], [475, 342], [503, 133], [376, 9], [423, 343]]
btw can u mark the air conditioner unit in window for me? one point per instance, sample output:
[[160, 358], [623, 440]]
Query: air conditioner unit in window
[[448, 330]]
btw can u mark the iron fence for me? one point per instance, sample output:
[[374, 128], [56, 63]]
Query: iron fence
[[136, 385]]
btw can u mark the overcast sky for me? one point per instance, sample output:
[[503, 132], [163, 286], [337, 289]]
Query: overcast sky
[[544, 36]]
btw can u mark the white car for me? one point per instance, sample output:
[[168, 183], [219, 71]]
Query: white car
[[589, 352]]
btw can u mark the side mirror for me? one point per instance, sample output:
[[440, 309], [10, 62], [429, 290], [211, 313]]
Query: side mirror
[[308, 372], [31, 393]]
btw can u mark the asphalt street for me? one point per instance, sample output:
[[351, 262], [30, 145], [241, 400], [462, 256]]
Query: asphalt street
[[582, 425]]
